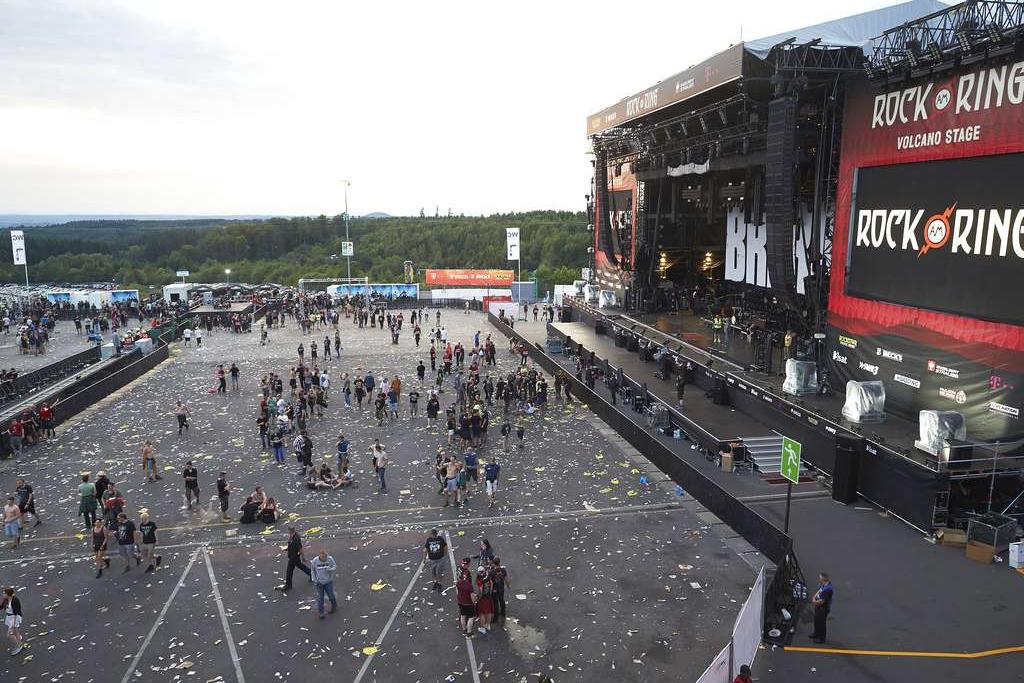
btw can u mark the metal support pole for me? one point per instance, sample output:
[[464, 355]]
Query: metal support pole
[[789, 499], [348, 259], [26, 273]]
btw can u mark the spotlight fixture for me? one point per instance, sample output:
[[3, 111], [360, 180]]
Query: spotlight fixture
[[725, 118], [934, 51], [703, 123], [963, 39]]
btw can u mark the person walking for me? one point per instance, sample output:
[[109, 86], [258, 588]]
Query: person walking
[[100, 537], [149, 461], [88, 501], [491, 472], [234, 372], [322, 569], [822, 602], [182, 412], [380, 465], [147, 529], [191, 477], [26, 501], [434, 551], [222, 386], [12, 522], [125, 531], [223, 496], [11, 607], [295, 552]]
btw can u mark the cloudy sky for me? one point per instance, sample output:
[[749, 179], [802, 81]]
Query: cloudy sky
[[217, 107]]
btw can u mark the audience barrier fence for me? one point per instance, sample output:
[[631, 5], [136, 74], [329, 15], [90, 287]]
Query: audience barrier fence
[[787, 585], [96, 385]]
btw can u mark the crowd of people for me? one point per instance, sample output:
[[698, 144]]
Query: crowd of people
[[463, 393]]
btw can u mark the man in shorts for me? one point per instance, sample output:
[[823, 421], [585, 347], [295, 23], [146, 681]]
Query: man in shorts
[[491, 471], [147, 528], [12, 522], [125, 533], [434, 555], [451, 484]]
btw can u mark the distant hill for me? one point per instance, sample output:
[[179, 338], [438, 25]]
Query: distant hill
[[14, 220], [377, 214]]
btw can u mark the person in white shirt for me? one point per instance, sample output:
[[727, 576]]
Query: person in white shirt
[[198, 332], [325, 381], [187, 334]]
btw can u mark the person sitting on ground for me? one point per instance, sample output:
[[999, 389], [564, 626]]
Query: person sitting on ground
[[268, 511], [249, 510], [258, 496], [346, 478]]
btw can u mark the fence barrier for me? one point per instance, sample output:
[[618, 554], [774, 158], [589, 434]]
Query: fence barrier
[[787, 585]]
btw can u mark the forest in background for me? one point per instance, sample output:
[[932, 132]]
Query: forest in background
[[143, 254]]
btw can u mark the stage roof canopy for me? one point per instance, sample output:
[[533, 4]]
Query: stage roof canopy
[[857, 30], [854, 31]]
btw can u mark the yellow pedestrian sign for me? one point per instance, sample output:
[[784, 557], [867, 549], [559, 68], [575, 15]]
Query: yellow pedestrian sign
[[791, 459]]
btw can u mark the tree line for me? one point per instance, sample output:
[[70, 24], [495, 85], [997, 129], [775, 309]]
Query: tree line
[[144, 254]]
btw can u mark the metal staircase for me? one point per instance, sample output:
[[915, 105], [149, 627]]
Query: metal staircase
[[766, 453]]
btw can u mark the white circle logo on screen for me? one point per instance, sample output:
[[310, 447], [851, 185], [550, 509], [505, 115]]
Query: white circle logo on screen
[[937, 232], [943, 98]]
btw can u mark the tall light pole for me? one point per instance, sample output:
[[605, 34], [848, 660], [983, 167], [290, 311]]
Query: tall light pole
[[227, 274], [348, 258]]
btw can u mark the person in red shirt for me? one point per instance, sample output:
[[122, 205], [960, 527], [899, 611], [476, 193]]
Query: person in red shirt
[[466, 596], [744, 675], [46, 419], [17, 433]]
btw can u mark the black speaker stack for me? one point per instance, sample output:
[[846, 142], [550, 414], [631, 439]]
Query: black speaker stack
[[780, 194], [846, 472]]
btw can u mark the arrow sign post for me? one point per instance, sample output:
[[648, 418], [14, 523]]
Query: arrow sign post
[[790, 470]]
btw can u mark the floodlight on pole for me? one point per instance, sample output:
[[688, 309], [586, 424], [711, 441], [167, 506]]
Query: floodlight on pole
[[227, 275]]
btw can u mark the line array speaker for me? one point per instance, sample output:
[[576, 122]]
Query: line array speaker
[[780, 192]]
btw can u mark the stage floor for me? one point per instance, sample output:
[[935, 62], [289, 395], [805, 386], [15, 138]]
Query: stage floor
[[896, 432], [896, 593]]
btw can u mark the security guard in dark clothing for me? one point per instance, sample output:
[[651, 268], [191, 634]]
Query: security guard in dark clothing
[[822, 601]]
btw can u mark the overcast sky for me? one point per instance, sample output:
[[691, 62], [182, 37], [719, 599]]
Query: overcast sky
[[215, 107]]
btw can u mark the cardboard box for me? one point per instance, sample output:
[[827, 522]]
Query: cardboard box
[[955, 538], [980, 552], [727, 462]]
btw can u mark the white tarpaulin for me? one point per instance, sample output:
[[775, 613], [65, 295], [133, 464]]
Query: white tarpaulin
[[746, 633], [718, 672], [853, 31], [687, 169]]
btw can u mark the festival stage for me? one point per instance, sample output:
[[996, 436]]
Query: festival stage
[[786, 189]]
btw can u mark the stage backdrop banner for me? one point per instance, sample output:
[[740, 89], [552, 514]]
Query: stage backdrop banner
[[470, 278], [944, 235], [934, 316]]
